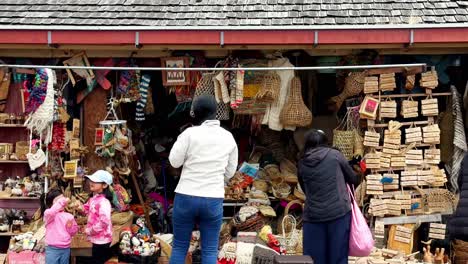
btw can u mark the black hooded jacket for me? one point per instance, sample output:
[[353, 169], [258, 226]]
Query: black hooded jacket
[[323, 174]]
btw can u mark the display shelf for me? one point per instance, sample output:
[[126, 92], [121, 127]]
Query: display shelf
[[412, 95], [413, 219], [13, 162], [12, 126], [19, 198]]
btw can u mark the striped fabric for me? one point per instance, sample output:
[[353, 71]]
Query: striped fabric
[[459, 140], [141, 104]]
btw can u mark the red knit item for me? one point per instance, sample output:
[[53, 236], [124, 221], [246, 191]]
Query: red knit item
[[58, 137]]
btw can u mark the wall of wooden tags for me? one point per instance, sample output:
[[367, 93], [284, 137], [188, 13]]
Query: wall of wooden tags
[[401, 155]]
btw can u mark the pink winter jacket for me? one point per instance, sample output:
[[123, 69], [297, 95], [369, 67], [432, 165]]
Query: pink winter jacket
[[57, 233], [99, 226]]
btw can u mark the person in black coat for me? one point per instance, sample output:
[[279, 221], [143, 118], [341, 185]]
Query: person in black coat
[[458, 224], [323, 175]]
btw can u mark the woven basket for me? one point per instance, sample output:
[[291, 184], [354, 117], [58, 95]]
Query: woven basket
[[295, 112], [289, 240], [270, 88], [289, 177], [205, 86], [354, 84], [344, 141], [281, 191], [121, 218], [261, 185], [253, 224], [289, 166], [299, 193], [272, 171], [436, 200], [22, 149]]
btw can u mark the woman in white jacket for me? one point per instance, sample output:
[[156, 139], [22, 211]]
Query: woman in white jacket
[[208, 156]]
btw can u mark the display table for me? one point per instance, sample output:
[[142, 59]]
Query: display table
[[81, 247]]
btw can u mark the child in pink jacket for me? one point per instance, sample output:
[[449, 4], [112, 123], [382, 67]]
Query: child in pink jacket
[[98, 208], [60, 228]]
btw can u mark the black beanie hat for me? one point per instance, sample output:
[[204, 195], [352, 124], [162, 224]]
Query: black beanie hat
[[204, 108]]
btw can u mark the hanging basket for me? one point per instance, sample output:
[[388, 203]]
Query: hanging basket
[[344, 141], [295, 112]]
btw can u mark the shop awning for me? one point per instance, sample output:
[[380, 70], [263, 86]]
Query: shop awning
[[313, 36]]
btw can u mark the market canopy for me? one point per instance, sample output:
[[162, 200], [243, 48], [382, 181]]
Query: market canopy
[[325, 23]]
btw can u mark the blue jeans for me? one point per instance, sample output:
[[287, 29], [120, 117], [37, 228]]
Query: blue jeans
[[188, 211], [56, 255], [328, 242]]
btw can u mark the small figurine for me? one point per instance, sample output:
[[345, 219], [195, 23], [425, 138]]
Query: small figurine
[[125, 244], [143, 230], [145, 250]]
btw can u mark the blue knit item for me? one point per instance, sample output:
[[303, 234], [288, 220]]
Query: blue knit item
[[141, 104]]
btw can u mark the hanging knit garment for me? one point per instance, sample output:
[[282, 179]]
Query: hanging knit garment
[[141, 104], [272, 115], [42, 118], [459, 141], [38, 92]]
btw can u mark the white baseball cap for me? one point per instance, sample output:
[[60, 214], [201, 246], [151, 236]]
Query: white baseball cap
[[101, 176]]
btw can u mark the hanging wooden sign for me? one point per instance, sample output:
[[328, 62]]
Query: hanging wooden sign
[[385, 160], [413, 135], [371, 85], [431, 134], [409, 109], [374, 185], [409, 178], [372, 160], [414, 157], [430, 107], [437, 231], [390, 181], [371, 139], [432, 156], [387, 82], [429, 79], [388, 109]]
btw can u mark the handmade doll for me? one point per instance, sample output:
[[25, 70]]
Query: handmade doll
[[107, 150]]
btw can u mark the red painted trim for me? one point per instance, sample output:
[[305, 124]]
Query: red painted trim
[[23, 37], [238, 37], [441, 35], [281, 37], [359, 36], [93, 37], [174, 37]]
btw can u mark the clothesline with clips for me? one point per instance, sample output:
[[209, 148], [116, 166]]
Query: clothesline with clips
[[301, 68]]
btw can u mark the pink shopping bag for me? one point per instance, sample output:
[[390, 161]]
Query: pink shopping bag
[[361, 241]]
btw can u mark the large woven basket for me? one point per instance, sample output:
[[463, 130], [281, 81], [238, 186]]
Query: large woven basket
[[295, 112]]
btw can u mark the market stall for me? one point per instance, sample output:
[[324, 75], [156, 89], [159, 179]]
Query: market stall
[[124, 117]]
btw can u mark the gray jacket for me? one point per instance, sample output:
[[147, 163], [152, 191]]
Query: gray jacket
[[323, 174]]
